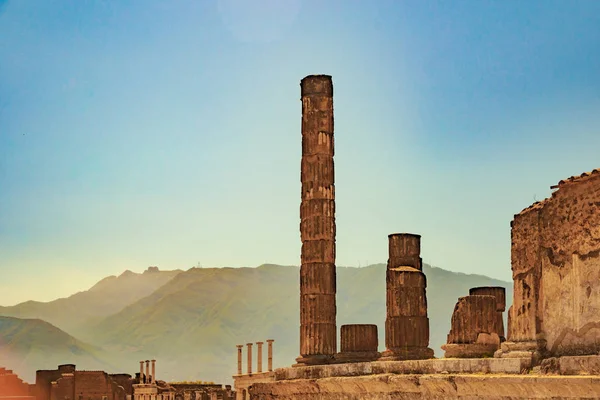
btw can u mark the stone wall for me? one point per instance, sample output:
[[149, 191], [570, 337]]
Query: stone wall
[[13, 386], [556, 270]]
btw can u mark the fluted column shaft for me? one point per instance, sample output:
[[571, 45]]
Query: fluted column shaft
[[317, 221]]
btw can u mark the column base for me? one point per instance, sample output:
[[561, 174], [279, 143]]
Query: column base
[[409, 353], [318, 359], [356, 356], [535, 350], [469, 350]]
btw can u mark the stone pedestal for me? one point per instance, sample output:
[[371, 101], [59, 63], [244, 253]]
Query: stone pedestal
[[407, 324], [318, 340], [474, 328], [359, 343]]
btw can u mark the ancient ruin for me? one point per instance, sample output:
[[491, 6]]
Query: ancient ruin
[[358, 343], [555, 258], [555, 255], [477, 327], [13, 388], [318, 340], [67, 383], [406, 325], [244, 381]]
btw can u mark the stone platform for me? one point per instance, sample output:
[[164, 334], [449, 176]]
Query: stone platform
[[574, 377], [431, 366], [438, 386]]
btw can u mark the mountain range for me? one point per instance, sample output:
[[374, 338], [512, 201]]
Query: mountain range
[[190, 321]]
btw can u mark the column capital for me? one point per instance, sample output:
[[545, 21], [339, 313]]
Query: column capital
[[259, 342], [249, 344], [270, 340], [153, 360], [239, 346]]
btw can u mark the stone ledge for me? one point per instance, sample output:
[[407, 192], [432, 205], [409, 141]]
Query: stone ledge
[[446, 386], [432, 366]]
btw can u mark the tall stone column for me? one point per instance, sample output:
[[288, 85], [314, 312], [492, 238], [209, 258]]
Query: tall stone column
[[318, 340], [147, 371], [153, 376], [249, 358], [270, 354], [406, 325], [239, 348], [142, 372], [259, 357]]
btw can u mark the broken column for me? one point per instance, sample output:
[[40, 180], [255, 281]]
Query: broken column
[[259, 357], [249, 358], [318, 340], [358, 343], [500, 294], [407, 324], [239, 367], [142, 379], [475, 328], [147, 380], [270, 354]]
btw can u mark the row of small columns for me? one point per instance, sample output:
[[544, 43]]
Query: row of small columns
[[148, 376], [259, 357]]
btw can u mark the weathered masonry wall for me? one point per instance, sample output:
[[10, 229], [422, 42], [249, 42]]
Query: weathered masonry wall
[[556, 270]]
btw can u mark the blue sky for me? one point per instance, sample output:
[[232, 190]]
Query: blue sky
[[144, 132]]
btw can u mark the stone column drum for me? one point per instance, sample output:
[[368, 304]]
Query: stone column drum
[[500, 294], [359, 343], [318, 339], [474, 328], [407, 324]]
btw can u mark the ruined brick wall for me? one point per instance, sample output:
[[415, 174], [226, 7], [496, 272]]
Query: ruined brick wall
[[92, 385], [556, 269], [65, 387], [11, 384], [43, 383], [570, 254]]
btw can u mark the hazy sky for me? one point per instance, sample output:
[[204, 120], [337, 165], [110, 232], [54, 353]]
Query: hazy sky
[[144, 132]]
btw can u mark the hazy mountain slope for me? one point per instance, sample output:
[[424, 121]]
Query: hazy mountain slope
[[107, 297], [27, 345], [193, 322]]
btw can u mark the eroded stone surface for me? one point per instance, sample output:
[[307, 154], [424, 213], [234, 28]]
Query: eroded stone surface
[[318, 340], [406, 324], [556, 271], [446, 386]]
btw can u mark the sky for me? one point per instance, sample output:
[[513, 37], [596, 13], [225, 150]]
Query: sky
[[144, 132]]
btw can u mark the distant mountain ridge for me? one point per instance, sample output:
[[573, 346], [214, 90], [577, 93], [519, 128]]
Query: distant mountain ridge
[[192, 321], [27, 345], [105, 298]]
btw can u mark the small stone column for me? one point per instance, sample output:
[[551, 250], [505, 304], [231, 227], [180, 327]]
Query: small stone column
[[249, 358], [407, 324], [359, 343], [142, 380], [147, 371], [270, 354], [259, 357], [153, 377], [239, 347]]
